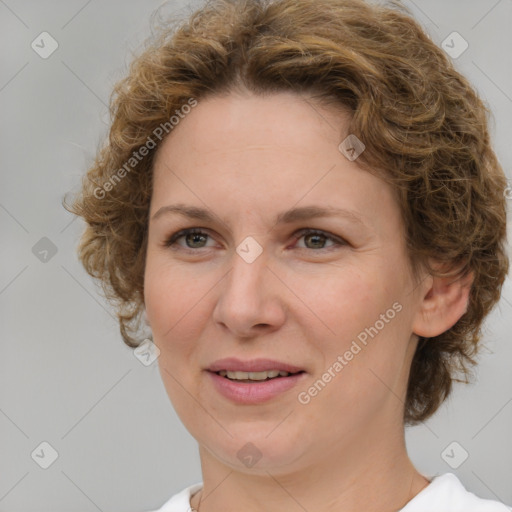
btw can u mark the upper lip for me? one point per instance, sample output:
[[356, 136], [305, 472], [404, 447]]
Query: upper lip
[[254, 365]]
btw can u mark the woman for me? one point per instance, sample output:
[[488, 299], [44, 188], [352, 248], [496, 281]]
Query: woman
[[301, 199]]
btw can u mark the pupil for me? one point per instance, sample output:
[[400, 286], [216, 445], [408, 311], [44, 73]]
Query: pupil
[[317, 236], [194, 236]]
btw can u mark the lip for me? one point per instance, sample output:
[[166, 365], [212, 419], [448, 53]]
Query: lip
[[233, 364], [254, 393]]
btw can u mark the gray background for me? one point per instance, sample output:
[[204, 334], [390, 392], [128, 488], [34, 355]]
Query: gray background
[[66, 377]]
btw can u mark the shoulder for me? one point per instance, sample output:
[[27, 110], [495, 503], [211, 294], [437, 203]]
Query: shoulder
[[445, 493], [180, 502]]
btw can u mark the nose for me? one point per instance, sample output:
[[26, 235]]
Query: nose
[[250, 300]]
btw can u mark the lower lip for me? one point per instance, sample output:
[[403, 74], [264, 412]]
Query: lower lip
[[254, 393]]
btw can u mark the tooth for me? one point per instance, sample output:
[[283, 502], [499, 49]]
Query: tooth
[[258, 375], [238, 375]]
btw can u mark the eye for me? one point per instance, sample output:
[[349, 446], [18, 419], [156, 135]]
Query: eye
[[196, 238], [317, 238]]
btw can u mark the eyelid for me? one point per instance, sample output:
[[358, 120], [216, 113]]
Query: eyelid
[[170, 241], [338, 241]]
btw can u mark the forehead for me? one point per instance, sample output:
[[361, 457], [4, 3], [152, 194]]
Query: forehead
[[239, 122], [271, 151]]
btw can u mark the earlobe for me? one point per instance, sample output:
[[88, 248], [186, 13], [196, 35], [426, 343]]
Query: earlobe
[[444, 302]]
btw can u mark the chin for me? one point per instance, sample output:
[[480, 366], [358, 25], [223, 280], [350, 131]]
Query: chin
[[256, 452]]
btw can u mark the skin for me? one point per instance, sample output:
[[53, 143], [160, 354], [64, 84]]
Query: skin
[[303, 300]]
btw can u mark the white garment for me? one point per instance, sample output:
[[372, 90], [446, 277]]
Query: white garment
[[445, 493]]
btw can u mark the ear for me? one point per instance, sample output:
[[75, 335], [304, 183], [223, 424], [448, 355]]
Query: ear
[[444, 301]]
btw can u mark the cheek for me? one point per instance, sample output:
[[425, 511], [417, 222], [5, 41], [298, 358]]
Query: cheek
[[176, 314], [157, 297], [178, 308], [345, 302], [361, 317], [170, 294]]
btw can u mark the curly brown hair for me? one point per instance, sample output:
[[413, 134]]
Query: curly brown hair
[[424, 127]]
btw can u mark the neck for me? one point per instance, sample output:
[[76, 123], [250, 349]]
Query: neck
[[352, 476]]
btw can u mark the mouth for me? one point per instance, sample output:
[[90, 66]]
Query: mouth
[[251, 377], [255, 381], [259, 368]]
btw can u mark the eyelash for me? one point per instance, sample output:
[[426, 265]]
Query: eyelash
[[171, 241]]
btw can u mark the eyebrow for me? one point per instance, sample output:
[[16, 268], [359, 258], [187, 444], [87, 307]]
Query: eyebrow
[[287, 217]]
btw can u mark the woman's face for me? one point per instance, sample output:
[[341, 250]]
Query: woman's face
[[255, 283]]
